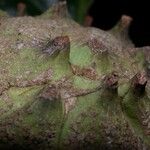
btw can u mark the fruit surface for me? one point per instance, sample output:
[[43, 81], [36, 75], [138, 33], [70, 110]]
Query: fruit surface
[[63, 86]]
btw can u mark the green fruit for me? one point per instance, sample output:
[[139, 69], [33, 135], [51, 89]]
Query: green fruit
[[63, 86]]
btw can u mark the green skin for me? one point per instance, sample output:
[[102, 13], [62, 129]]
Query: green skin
[[66, 87]]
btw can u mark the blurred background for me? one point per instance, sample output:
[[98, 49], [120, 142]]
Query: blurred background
[[103, 14]]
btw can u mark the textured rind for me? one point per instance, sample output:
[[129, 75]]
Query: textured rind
[[88, 94]]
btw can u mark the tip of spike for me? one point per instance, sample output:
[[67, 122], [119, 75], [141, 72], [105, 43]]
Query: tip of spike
[[123, 24], [120, 31], [125, 21], [57, 10]]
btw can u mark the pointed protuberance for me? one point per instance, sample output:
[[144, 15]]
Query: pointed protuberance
[[125, 22], [60, 9], [49, 93], [56, 45], [120, 31], [143, 57], [146, 51], [108, 93], [138, 83], [3, 14], [57, 10], [135, 87], [147, 89], [123, 25], [131, 105], [111, 81]]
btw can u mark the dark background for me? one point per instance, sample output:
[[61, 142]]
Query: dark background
[[105, 14]]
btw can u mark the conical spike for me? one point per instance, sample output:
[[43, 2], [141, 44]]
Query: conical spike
[[57, 10], [120, 31], [148, 89], [139, 82], [3, 14], [146, 51], [56, 45], [145, 60]]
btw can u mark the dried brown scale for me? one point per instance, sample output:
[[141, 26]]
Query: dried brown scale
[[111, 81], [97, 46], [58, 44], [139, 83], [50, 93], [86, 72]]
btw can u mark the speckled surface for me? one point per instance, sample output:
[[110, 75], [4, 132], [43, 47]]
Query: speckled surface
[[63, 86]]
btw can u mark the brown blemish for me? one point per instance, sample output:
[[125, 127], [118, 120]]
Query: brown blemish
[[50, 93], [42, 78], [139, 82], [57, 44], [86, 72], [3, 87], [111, 81], [96, 45]]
